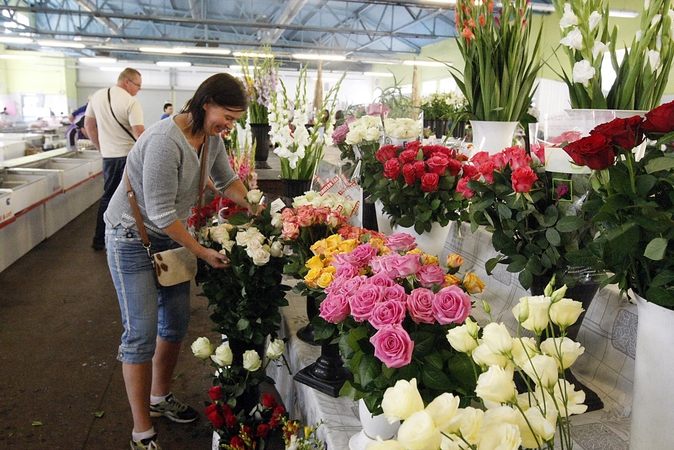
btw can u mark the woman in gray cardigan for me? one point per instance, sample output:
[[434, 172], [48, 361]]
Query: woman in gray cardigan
[[164, 170]]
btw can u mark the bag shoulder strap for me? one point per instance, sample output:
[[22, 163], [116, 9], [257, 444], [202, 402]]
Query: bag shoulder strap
[[120, 123], [136, 214]]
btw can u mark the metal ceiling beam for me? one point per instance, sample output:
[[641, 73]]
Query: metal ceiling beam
[[105, 21], [291, 10], [182, 20]]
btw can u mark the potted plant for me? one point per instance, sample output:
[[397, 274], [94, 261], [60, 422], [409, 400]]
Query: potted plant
[[300, 148], [537, 418], [635, 220], [416, 186], [439, 113], [261, 79], [501, 62], [641, 74]]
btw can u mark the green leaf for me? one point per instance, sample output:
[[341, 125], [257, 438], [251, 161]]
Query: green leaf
[[490, 265], [553, 237], [368, 369], [99, 414], [663, 278], [658, 164], [660, 296], [518, 264], [568, 224], [526, 279], [504, 211], [655, 250], [435, 378]]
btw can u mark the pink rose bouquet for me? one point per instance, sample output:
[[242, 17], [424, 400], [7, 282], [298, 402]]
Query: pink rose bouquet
[[393, 306], [541, 221]]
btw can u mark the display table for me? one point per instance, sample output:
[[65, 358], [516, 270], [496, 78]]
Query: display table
[[608, 334]]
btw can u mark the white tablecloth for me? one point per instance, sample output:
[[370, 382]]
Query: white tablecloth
[[608, 334]]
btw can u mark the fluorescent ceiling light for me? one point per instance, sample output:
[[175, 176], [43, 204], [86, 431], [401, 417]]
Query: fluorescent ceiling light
[[204, 50], [444, 2], [111, 69], [58, 43], [5, 56], [173, 63], [15, 40], [319, 57], [543, 7], [97, 60], [159, 50], [385, 62], [411, 62], [378, 74], [623, 13], [253, 54]]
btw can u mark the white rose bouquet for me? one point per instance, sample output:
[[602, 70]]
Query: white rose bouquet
[[402, 128], [507, 419], [255, 250]]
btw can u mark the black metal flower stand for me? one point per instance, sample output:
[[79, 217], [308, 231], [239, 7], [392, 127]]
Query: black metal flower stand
[[327, 374]]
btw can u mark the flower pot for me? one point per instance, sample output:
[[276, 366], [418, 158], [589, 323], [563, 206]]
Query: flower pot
[[459, 131], [652, 399], [327, 374], [260, 132], [431, 242], [373, 426], [383, 220], [295, 188], [492, 137]]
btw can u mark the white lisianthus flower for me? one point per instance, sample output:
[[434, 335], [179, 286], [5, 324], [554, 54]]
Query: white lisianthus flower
[[251, 360], [275, 349], [461, 339], [573, 39], [419, 432], [202, 348], [254, 196], [583, 72], [535, 428], [496, 385], [574, 399], [485, 356], [497, 337], [595, 19], [569, 349], [402, 400], [538, 306], [654, 59], [569, 19], [443, 409], [220, 233], [502, 436], [543, 370], [523, 349], [223, 355], [565, 312]]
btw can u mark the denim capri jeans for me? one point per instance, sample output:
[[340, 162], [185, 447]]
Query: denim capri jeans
[[148, 310]]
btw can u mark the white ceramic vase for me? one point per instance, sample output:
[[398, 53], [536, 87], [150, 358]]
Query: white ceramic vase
[[431, 242], [492, 137], [383, 219], [373, 426], [653, 394]]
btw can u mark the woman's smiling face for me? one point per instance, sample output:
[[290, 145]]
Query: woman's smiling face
[[219, 119]]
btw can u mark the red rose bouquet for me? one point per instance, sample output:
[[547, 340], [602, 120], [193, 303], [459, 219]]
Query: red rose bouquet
[[540, 221], [393, 305], [637, 201], [416, 184]]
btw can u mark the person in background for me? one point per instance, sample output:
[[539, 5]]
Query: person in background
[[168, 111], [163, 169], [113, 121]]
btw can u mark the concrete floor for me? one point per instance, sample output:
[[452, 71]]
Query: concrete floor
[[59, 332]]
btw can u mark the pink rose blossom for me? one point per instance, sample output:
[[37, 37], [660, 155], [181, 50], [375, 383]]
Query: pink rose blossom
[[395, 292], [334, 308], [362, 302], [393, 346], [420, 305], [359, 257], [353, 285], [395, 265], [337, 285], [290, 230], [382, 280], [430, 275], [388, 312], [451, 305], [346, 271], [339, 135], [462, 188], [401, 242]]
